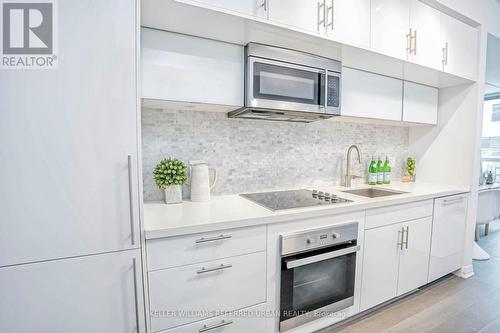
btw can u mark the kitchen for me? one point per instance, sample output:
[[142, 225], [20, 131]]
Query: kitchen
[[241, 166]]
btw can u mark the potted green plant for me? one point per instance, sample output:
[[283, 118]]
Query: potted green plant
[[169, 175]]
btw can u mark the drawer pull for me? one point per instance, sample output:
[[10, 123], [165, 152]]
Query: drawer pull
[[447, 202], [206, 328], [212, 239], [213, 269]]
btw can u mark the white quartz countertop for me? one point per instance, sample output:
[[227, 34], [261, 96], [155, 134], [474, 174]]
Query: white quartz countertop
[[232, 211]]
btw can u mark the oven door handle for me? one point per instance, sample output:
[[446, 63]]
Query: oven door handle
[[321, 257]]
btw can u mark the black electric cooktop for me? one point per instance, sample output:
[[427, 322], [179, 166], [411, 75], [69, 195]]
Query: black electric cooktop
[[293, 199]]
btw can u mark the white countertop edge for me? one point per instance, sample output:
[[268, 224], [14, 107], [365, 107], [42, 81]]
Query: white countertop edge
[[311, 212]]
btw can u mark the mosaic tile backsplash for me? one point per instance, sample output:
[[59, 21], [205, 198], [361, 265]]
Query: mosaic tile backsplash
[[256, 155]]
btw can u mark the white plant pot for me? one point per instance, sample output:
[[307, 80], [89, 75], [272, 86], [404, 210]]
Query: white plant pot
[[173, 194]]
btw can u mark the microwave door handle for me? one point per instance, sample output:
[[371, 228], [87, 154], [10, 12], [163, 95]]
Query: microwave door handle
[[321, 257]]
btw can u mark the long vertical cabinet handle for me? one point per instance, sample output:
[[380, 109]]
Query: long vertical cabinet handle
[[407, 233], [264, 5], [445, 54], [400, 237], [131, 199], [323, 21], [134, 271], [408, 41], [415, 42], [331, 9]]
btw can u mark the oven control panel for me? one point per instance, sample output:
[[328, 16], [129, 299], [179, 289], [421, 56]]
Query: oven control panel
[[317, 238]]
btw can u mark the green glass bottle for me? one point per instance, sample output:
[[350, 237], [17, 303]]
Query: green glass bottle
[[372, 172], [380, 171], [387, 171]]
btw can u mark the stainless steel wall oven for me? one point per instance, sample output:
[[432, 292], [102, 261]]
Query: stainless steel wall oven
[[318, 270]]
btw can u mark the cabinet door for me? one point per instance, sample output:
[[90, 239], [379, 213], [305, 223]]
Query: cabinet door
[[66, 184], [425, 23], [371, 95], [380, 265], [97, 293], [256, 8], [448, 231], [420, 103], [389, 26], [414, 258], [303, 14], [184, 68], [348, 21], [461, 41]]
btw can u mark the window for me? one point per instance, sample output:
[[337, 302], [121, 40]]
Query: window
[[490, 141], [495, 113]]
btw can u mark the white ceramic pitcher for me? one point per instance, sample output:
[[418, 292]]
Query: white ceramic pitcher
[[200, 181]]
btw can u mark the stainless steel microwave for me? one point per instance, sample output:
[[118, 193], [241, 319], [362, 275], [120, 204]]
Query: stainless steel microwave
[[282, 84]]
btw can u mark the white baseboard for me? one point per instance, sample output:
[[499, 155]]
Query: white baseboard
[[465, 272]]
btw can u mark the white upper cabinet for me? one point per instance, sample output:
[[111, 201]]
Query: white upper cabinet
[[425, 41], [302, 14], [183, 68], [371, 95], [348, 21], [459, 47], [68, 185], [420, 103], [390, 25], [255, 8]]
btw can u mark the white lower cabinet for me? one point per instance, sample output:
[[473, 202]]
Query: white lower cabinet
[[185, 294], [448, 232], [414, 258], [97, 293], [380, 265], [396, 260], [248, 320]]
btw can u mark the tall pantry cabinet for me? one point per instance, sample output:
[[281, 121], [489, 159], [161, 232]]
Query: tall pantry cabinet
[[70, 258]]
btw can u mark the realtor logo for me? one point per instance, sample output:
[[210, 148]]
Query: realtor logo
[[28, 32]]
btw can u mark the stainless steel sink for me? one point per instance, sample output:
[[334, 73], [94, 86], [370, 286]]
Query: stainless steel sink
[[373, 192]]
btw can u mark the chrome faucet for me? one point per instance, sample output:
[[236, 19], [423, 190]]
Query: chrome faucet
[[348, 177]]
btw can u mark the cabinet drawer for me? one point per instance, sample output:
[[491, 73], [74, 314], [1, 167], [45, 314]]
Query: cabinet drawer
[[191, 249], [397, 213], [221, 285], [248, 320]]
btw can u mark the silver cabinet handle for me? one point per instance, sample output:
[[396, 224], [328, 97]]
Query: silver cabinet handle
[[445, 54], [131, 199], [264, 5], [415, 42], [447, 202], [400, 237], [213, 269], [331, 9], [323, 21], [212, 327], [408, 41], [407, 233], [134, 270], [212, 239]]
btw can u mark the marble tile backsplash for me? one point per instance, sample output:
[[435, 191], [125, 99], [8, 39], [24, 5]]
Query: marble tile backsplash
[[256, 155]]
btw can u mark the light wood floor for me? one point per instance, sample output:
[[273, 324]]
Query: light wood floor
[[453, 305]]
